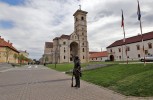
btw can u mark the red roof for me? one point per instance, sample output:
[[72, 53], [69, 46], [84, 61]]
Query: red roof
[[3, 43], [93, 52], [99, 54], [134, 39]]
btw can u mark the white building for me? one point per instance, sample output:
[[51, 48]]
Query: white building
[[134, 47], [99, 56]]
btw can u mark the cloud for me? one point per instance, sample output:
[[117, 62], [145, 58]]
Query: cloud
[[37, 21]]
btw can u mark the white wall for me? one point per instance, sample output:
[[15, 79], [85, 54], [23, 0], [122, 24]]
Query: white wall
[[133, 53]]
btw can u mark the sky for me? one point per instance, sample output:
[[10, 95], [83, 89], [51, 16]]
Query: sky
[[28, 24]]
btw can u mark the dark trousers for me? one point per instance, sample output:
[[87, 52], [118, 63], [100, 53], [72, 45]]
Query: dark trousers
[[77, 80]]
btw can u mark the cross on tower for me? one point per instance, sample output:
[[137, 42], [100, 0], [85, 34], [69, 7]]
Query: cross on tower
[[79, 7]]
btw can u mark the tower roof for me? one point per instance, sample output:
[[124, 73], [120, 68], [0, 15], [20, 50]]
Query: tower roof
[[79, 11]]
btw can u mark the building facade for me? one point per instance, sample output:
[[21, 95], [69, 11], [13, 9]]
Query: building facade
[[99, 56], [48, 53], [66, 47], [8, 54], [133, 50]]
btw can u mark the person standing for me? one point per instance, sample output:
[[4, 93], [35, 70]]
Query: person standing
[[77, 71]]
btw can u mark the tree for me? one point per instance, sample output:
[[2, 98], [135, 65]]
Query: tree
[[20, 57], [15, 57], [7, 54]]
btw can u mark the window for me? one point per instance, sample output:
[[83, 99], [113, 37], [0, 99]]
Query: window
[[110, 50], [64, 43], [138, 55], [82, 38], [82, 43], [120, 57], [119, 49], [149, 45], [64, 50], [82, 18], [82, 49], [146, 52], [64, 57], [76, 19], [138, 47], [82, 33], [128, 48], [83, 57]]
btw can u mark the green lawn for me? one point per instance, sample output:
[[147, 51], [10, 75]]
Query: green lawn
[[64, 66], [131, 79], [128, 79]]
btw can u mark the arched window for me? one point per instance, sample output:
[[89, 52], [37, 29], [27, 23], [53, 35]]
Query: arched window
[[119, 49], [82, 49]]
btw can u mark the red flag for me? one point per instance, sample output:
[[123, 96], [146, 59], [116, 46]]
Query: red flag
[[122, 23]]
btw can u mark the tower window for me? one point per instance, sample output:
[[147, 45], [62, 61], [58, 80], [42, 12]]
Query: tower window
[[83, 50], [64, 57], [83, 57], [82, 18], [64, 43]]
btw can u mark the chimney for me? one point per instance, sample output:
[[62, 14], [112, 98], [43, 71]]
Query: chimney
[[0, 37], [8, 41]]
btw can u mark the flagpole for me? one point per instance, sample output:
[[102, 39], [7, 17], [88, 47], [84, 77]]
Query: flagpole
[[142, 43], [124, 37], [139, 18]]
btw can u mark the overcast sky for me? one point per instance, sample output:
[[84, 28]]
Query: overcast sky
[[29, 23]]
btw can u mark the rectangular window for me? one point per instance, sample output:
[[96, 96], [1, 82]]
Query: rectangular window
[[119, 49], [150, 45], [138, 47], [146, 52]]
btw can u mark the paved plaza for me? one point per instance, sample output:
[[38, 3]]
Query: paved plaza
[[36, 82]]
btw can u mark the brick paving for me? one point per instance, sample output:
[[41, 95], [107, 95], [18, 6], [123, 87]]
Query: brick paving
[[40, 83]]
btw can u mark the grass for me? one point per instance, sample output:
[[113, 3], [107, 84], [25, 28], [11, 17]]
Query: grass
[[127, 79], [131, 79], [64, 66]]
